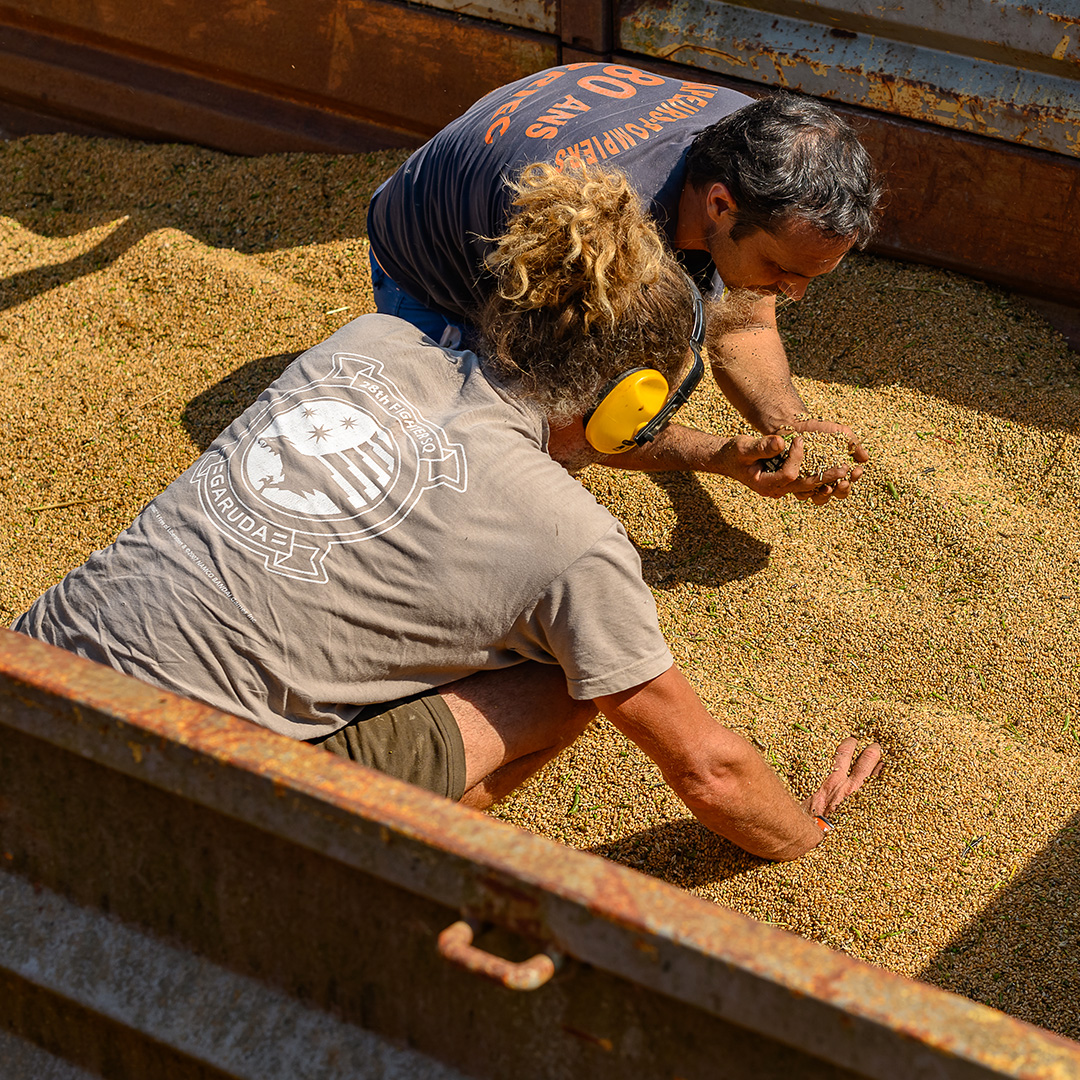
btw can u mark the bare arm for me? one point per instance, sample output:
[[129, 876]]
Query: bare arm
[[751, 368], [741, 458], [723, 780]]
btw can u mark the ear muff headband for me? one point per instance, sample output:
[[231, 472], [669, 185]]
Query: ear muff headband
[[626, 407]]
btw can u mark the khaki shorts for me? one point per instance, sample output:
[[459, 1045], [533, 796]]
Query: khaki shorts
[[415, 739]]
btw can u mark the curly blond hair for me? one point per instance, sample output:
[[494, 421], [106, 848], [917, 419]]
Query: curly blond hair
[[585, 289]]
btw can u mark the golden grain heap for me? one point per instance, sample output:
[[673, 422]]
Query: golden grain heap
[[150, 292]]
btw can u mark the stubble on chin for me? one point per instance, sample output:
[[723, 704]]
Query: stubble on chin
[[734, 309]]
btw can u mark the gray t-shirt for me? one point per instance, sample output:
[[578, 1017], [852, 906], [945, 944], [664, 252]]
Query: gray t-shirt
[[381, 521]]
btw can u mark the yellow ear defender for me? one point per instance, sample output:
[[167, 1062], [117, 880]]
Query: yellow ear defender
[[627, 405], [631, 410]]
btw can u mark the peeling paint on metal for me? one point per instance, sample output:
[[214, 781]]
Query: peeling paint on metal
[[1023, 86]]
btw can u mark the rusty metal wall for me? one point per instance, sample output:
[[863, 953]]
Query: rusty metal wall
[[183, 894], [969, 189], [259, 76], [540, 15], [995, 68]]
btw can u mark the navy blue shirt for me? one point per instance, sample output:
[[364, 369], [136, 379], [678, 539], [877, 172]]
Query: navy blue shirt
[[431, 224]]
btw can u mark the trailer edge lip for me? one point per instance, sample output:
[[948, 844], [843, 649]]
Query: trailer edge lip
[[593, 910], [1020, 89]]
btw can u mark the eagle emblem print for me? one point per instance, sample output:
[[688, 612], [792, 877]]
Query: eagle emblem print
[[337, 461]]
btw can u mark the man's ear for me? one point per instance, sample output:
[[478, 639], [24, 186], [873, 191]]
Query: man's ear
[[720, 205]]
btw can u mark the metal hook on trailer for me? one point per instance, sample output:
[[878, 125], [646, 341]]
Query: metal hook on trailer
[[456, 946]]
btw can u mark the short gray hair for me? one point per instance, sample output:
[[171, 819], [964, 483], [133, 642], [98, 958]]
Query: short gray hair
[[787, 158]]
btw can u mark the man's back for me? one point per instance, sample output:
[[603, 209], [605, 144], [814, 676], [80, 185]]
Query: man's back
[[382, 520], [430, 223]]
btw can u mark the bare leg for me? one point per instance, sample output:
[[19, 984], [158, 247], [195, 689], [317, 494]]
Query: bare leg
[[512, 721]]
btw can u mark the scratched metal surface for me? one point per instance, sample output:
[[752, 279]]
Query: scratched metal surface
[[105, 781], [539, 15], [1003, 70], [262, 76]]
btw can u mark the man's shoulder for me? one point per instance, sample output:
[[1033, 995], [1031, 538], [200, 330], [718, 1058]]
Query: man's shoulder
[[374, 327], [383, 338], [603, 110], [560, 513]]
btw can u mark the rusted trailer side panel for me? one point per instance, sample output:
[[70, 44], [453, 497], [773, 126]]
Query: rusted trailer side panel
[[183, 892], [348, 75], [994, 211], [257, 77], [539, 15], [1005, 70]]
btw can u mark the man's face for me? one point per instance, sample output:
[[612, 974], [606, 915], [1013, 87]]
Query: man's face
[[777, 263]]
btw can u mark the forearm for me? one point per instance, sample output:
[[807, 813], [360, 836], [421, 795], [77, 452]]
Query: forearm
[[742, 799], [741, 459], [676, 449], [751, 369], [723, 780]]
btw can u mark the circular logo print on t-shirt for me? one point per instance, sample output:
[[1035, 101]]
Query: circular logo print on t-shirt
[[322, 458], [335, 461]]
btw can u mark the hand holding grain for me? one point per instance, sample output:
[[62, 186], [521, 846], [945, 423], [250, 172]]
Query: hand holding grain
[[775, 465], [849, 773], [758, 464]]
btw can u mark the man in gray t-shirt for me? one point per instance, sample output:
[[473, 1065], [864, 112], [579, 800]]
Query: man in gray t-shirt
[[382, 522], [387, 553]]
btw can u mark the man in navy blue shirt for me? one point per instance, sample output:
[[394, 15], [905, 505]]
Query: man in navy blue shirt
[[756, 198]]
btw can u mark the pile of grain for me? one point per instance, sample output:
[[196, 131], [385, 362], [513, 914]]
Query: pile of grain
[[150, 292]]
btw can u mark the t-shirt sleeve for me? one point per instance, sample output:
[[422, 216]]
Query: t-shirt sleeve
[[598, 621]]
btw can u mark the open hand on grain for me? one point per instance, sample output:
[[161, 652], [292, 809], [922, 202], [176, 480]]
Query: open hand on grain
[[150, 292]]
